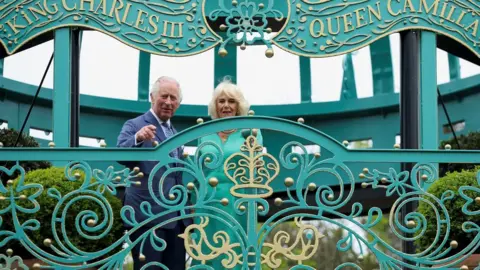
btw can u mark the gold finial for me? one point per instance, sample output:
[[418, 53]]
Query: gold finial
[[103, 144], [234, 3], [36, 266], [301, 120], [251, 112], [223, 27], [171, 196], [477, 200], [383, 180], [294, 159], [365, 170], [9, 252], [288, 181], [140, 175], [464, 267], [260, 208], [154, 143], [190, 186], [242, 207], [136, 170], [91, 222], [47, 242], [222, 52], [312, 186], [364, 185], [208, 159], [243, 46], [454, 244], [51, 144], [77, 175], [23, 197], [268, 30], [278, 202], [330, 197], [199, 121], [224, 201], [345, 143], [138, 183], [396, 146], [213, 181], [411, 224], [424, 177], [10, 182], [448, 147], [118, 178], [361, 175], [185, 155], [317, 154], [142, 257], [261, 5], [269, 53]]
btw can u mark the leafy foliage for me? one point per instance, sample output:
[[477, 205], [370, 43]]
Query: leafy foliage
[[54, 178], [8, 138], [450, 183], [470, 141]]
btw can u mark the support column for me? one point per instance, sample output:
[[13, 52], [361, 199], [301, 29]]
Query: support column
[[61, 87], [75, 88], [428, 93], [454, 67], [409, 110], [349, 88], [144, 60], [305, 80], [227, 65]]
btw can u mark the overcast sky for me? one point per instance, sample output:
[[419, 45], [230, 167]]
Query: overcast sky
[[110, 69]]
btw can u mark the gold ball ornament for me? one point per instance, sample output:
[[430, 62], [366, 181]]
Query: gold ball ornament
[[278, 201], [269, 53], [222, 52], [364, 185], [454, 244], [224, 202], [251, 112], [289, 181], [171, 196], [260, 208], [51, 144], [9, 252], [448, 147], [312, 186], [411, 224], [213, 181], [47, 242], [190, 186], [301, 120], [199, 121], [142, 257], [91, 222]]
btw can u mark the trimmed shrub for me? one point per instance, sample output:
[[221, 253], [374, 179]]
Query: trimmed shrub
[[470, 141], [8, 138], [54, 178]]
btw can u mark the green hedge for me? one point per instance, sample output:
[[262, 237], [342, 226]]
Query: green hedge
[[54, 178], [470, 141], [452, 181], [8, 138]]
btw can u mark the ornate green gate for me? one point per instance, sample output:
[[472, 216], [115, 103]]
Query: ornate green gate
[[268, 189]]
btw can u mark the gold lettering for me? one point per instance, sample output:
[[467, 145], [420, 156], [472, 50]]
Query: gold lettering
[[474, 26], [442, 13], [319, 33], [139, 20], [55, 7], [83, 1], [389, 8], [360, 17], [452, 9], [103, 6], [427, 9], [125, 14], [329, 23], [460, 19], [410, 6], [376, 13], [153, 21], [348, 23], [40, 11], [116, 9], [14, 26], [67, 8], [25, 15], [173, 26]]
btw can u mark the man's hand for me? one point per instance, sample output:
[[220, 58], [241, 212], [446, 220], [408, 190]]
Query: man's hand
[[146, 133]]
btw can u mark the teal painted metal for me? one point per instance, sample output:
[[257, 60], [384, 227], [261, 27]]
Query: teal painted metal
[[349, 87], [454, 67], [307, 182], [428, 95], [305, 80], [226, 66], [382, 66], [143, 76], [61, 86]]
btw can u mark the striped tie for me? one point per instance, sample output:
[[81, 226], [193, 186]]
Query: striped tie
[[169, 133]]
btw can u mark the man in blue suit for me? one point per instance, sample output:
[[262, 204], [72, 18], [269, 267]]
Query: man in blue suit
[[145, 131]]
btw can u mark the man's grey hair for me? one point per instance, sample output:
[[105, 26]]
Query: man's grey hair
[[160, 81]]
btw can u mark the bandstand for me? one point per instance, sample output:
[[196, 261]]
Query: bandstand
[[311, 169]]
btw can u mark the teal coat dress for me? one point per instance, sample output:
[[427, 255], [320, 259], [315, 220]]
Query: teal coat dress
[[231, 146]]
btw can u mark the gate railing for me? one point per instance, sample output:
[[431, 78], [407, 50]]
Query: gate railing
[[267, 187]]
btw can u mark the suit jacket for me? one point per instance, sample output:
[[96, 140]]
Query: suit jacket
[[135, 195]]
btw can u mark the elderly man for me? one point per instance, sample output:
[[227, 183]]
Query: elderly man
[[143, 131]]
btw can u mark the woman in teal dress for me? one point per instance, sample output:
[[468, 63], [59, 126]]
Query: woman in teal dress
[[227, 101]]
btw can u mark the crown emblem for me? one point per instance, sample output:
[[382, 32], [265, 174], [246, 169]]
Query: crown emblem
[[251, 170]]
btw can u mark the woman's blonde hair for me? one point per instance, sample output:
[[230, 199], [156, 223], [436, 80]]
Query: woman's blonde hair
[[231, 90]]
